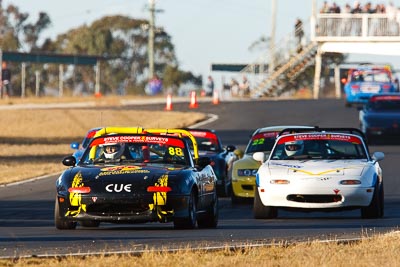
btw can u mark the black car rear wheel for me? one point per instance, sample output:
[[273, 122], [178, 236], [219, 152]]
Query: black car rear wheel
[[60, 222], [190, 221]]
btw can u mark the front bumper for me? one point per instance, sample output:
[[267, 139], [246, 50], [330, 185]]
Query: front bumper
[[124, 210], [244, 186], [321, 198]]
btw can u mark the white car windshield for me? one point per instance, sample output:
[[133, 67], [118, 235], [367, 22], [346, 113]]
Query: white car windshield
[[319, 146]]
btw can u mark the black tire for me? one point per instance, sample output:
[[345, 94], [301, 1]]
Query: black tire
[[210, 218], [90, 223], [263, 212], [221, 190], [235, 199], [347, 104], [60, 222], [228, 190], [376, 208], [190, 221]]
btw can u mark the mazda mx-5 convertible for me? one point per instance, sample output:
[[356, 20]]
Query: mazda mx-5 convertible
[[319, 169], [136, 175]]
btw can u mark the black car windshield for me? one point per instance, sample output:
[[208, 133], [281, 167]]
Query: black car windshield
[[123, 149], [261, 142], [319, 146]]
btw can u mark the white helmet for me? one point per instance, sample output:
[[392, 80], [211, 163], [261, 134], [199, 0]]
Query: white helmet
[[294, 148], [113, 151]]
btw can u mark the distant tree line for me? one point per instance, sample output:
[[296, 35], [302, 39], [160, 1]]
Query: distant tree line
[[123, 40]]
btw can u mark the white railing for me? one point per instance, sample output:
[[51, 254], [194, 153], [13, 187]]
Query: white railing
[[356, 27]]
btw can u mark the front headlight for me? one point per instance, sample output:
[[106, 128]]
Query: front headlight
[[247, 172]]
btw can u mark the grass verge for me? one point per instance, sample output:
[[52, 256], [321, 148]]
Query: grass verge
[[376, 251], [33, 142]]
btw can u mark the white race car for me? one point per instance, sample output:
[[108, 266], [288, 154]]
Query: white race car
[[326, 169]]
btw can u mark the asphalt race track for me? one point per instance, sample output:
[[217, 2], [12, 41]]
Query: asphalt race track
[[26, 210]]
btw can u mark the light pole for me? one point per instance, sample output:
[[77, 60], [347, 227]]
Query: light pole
[[151, 38], [272, 39]]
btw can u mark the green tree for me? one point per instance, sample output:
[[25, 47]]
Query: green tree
[[123, 41]]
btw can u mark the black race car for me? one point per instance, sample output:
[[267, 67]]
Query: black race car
[[136, 175], [210, 145]]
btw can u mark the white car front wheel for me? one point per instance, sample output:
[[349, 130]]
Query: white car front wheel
[[263, 212]]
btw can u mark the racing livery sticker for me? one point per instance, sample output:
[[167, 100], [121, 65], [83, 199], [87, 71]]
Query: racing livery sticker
[[207, 135], [265, 135], [318, 173], [321, 136], [259, 138], [160, 198], [75, 199], [138, 139], [376, 98], [122, 170]]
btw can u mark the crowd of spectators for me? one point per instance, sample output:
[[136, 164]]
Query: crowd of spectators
[[358, 8], [386, 23]]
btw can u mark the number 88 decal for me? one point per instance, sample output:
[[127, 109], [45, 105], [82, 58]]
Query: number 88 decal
[[175, 151]]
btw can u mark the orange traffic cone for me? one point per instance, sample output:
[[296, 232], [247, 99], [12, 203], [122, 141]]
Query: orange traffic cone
[[215, 98], [169, 102], [193, 100]]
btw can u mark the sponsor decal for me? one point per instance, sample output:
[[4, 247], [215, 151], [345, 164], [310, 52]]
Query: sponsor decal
[[120, 170], [117, 188], [75, 199], [336, 191], [208, 135], [286, 165], [321, 136], [162, 140], [265, 135], [385, 98]]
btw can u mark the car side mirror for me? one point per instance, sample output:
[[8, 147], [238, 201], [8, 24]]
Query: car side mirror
[[69, 161], [259, 156], [75, 145], [378, 156]]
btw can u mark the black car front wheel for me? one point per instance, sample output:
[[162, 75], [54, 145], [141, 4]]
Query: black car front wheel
[[190, 221], [263, 212], [376, 208], [60, 222], [210, 218]]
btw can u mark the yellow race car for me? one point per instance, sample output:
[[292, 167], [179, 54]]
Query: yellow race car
[[244, 170]]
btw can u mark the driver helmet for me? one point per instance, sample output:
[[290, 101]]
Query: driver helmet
[[294, 148], [113, 151]]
